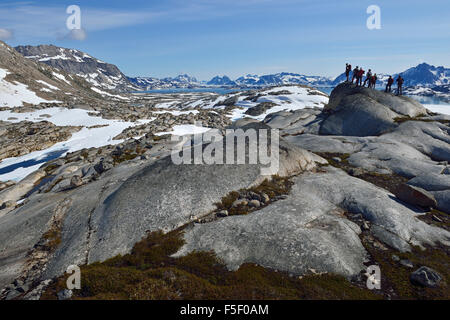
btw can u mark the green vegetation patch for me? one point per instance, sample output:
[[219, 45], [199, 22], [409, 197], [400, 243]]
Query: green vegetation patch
[[395, 277], [418, 118], [149, 272], [274, 188]]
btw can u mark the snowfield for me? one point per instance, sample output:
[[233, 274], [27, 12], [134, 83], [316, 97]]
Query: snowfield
[[299, 98], [85, 138], [14, 94], [439, 108], [104, 93], [184, 129]]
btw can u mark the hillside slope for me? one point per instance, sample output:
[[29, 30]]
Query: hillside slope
[[23, 81], [98, 73]]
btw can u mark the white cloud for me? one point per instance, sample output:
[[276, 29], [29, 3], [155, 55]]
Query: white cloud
[[77, 34], [5, 34]]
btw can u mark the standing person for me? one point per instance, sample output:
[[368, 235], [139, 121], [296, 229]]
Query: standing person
[[389, 84], [348, 69], [368, 78], [360, 76], [399, 85], [373, 81], [355, 74]]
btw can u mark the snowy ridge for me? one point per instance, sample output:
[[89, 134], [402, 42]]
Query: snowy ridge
[[15, 94], [100, 74], [150, 83]]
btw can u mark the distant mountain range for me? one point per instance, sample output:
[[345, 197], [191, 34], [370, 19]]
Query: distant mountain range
[[149, 83], [108, 76], [270, 80]]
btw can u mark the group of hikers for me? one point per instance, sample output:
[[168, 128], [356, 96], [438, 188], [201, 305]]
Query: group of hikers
[[371, 79]]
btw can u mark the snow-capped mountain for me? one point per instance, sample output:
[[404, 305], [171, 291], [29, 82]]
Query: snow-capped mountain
[[426, 75], [150, 83], [100, 74], [23, 81], [282, 79], [221, 81]]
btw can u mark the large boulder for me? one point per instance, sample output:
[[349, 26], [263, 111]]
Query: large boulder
[[399, 104], [415, 196], [426, 277], [19, 190], [359, 111]]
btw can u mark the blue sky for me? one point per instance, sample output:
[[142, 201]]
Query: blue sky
[[205, 38]]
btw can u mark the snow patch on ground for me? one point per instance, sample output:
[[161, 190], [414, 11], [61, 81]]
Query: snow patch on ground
[[184, 129], [298, 98], [14, 94], [104, 93], [439, 108], [47, 85], [85, 138]]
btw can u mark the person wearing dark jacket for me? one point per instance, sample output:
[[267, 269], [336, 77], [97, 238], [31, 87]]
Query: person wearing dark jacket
[[399, 85], [355, 74], [348, 69], [389, 84], [368, 78]]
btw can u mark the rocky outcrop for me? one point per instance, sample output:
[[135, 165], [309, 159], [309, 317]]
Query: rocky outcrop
[[360, 111], [260, 108], [309, 230], [17, 139], [114, 209]]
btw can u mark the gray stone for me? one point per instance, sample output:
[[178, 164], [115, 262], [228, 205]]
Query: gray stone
[[18, 282], [416, 196], [64, 294], [239, 202], [76, 181], [260, 108], [8, 204], [431, 182], [23, 288], [406, 263], [265, 198], [12, 295], [103, 165], [426, 277], [254, 204], [222, 213]]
